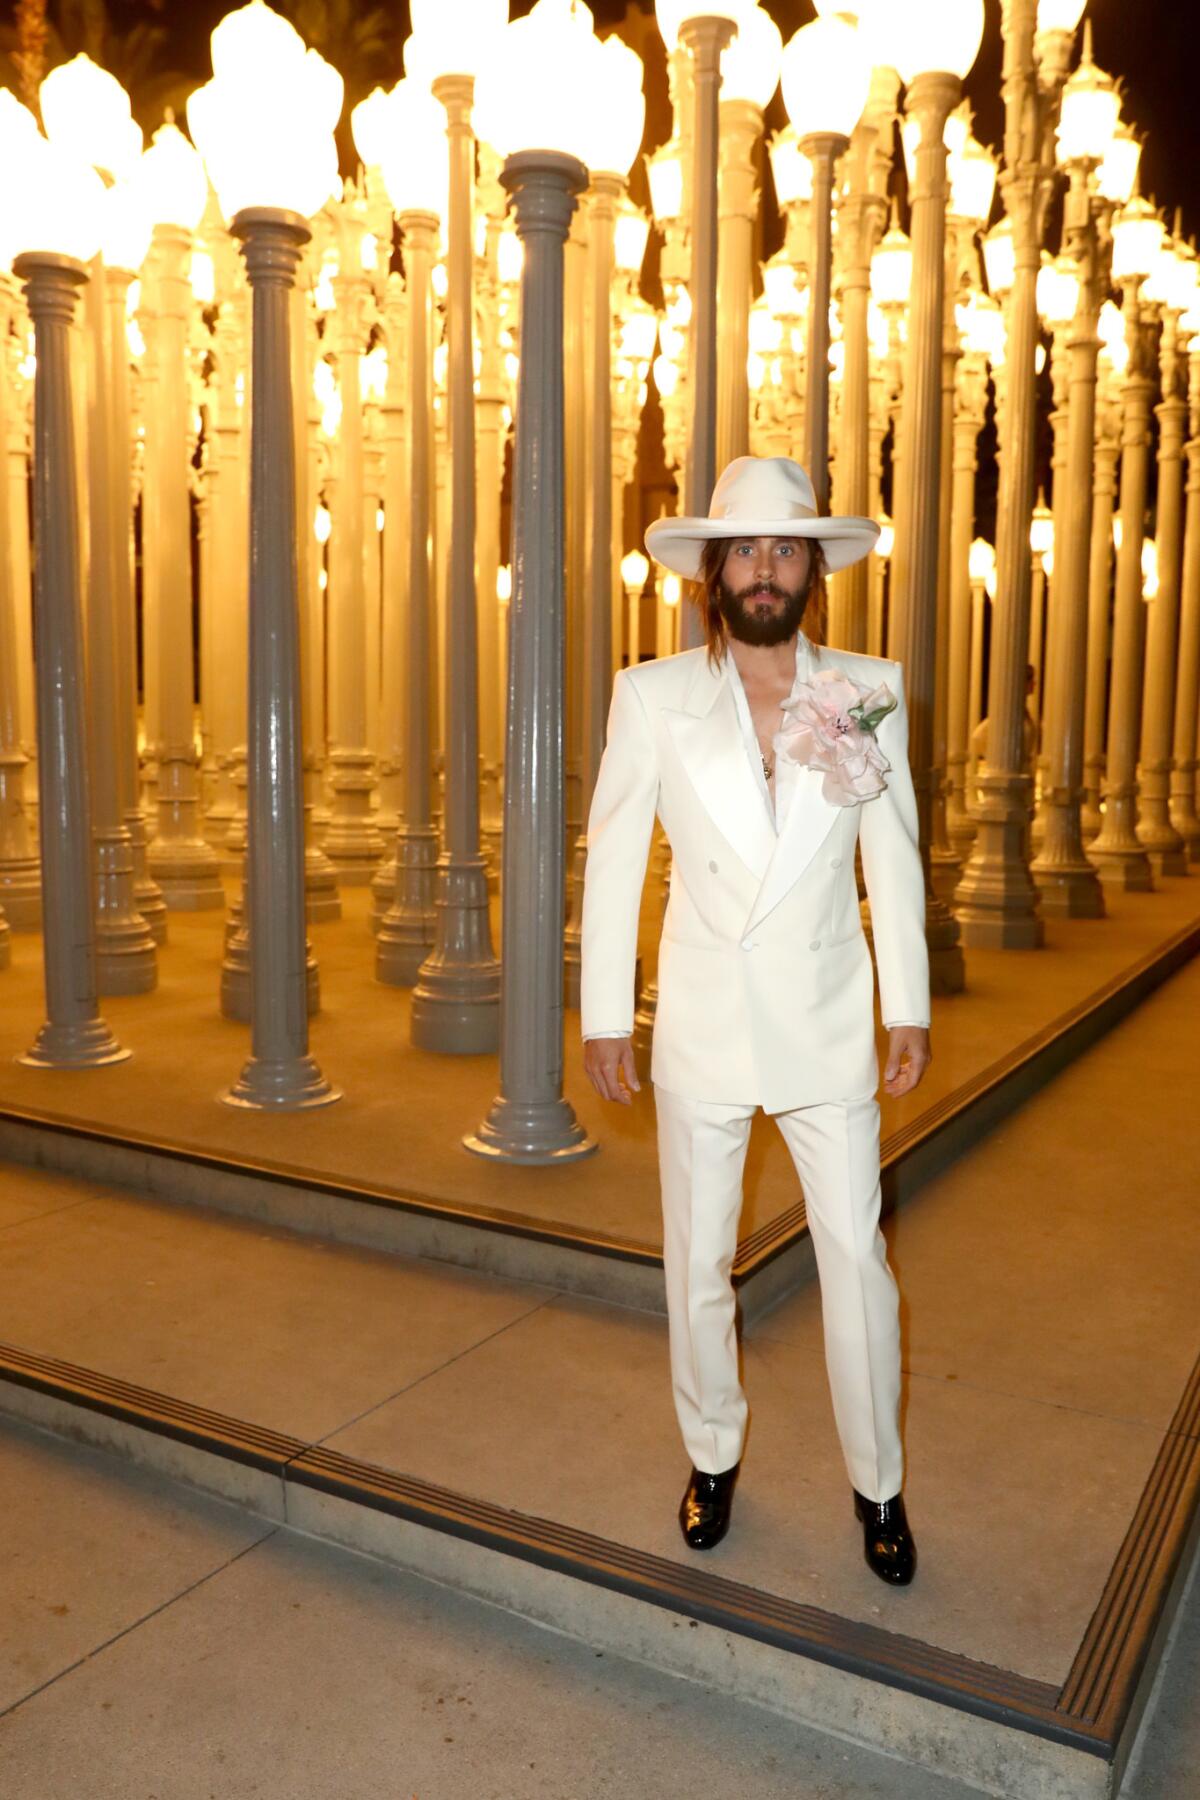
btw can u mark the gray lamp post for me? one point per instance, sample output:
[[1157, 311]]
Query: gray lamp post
[[704, 35], [74, 1035], [1063, 872], [406, 929], [1117, 852], [996, 900], [456, 1000], [1184, 765], [935, 64], [530, 1121], [249, 165]]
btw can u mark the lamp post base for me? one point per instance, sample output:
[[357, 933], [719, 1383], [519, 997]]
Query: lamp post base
[[293, 1084], [87, 1044], [456, 1000], [537, 1133], [406, 930]]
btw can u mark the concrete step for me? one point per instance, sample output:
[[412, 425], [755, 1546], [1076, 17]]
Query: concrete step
[[774, 1255], [517, 1443]]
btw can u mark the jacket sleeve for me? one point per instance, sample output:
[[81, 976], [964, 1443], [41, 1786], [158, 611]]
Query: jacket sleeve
[[620, 827], [891, 861]]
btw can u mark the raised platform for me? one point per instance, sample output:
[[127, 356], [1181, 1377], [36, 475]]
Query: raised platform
[[518, 1442], [386, 1167]]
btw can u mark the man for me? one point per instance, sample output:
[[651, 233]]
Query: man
[[767, 760]]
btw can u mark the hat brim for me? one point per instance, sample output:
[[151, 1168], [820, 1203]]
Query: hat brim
[[678, 544]]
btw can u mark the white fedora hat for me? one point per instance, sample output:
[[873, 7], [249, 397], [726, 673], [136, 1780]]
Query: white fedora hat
[[760, 496]]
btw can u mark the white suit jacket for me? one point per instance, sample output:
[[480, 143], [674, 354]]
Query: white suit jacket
[[765, 986]]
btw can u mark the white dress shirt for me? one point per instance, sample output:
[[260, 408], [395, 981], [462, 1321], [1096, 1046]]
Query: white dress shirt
[[786, 774]]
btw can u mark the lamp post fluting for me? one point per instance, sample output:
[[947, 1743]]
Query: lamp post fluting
[[1117, 851], [1184, 765], [996, 900], [456, 1000], [704, 37], [1156, 833], [913, 623], [406, 930], [970, 393], [280, 1074], [1065, 876], [740, 128], [530, 1121], [74, 1035]]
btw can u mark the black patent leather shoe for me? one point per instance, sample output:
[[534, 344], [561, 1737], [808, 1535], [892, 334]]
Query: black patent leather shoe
[[887, 1541], [704, 1509]]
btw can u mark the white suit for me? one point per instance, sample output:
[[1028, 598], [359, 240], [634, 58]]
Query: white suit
[[765, 995]]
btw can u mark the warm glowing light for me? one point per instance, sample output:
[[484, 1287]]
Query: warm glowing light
[[672, 590], [635, 570], [322, 523], [826, 77], [504, 583]]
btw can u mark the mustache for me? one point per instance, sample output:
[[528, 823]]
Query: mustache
[[766, 587]]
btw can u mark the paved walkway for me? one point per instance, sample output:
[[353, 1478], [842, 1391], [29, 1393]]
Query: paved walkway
[[156, 1644]]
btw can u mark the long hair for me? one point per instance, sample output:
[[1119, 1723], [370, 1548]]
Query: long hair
[[706, 596]]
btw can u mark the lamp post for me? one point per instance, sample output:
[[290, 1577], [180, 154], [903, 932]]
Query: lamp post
[[417, 186], [862, 215], [703, 34], [997, 900], [270, 156], [749, 77], [934, 48], [180, 860], [1173, 284], [826, 80], [51, 218], [1117, 851], [970, 409], [619, 110], [455, 1003], [1110, 367], [530, 1120], [1184, 765], [1064, 873]]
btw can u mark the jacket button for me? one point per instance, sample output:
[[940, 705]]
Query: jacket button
[[816, 944], [713, 867], [748, 945], [836, 863]]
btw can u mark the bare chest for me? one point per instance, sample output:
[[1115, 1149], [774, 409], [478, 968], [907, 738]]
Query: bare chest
[[765, 702]]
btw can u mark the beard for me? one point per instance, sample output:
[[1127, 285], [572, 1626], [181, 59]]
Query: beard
[[752, 624]]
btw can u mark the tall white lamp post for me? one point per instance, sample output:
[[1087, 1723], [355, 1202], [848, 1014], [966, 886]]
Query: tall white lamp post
[[51, 218], [455, 1003], [826, 80], [270, 154], [535, 115]]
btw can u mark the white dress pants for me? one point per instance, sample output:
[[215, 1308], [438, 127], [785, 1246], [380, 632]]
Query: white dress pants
[[835, 1147]]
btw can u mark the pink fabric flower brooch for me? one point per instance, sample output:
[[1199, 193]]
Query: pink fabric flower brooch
[[830, 726]]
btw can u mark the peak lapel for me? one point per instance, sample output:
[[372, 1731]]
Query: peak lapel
[[709, 742]]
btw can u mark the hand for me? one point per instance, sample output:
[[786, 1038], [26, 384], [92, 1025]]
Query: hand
[[909, 1056], [608, 1061]]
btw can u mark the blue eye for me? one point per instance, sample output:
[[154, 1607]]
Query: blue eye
[[785, 549]]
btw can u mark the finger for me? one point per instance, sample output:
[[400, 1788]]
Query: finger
[[629, 1068]]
